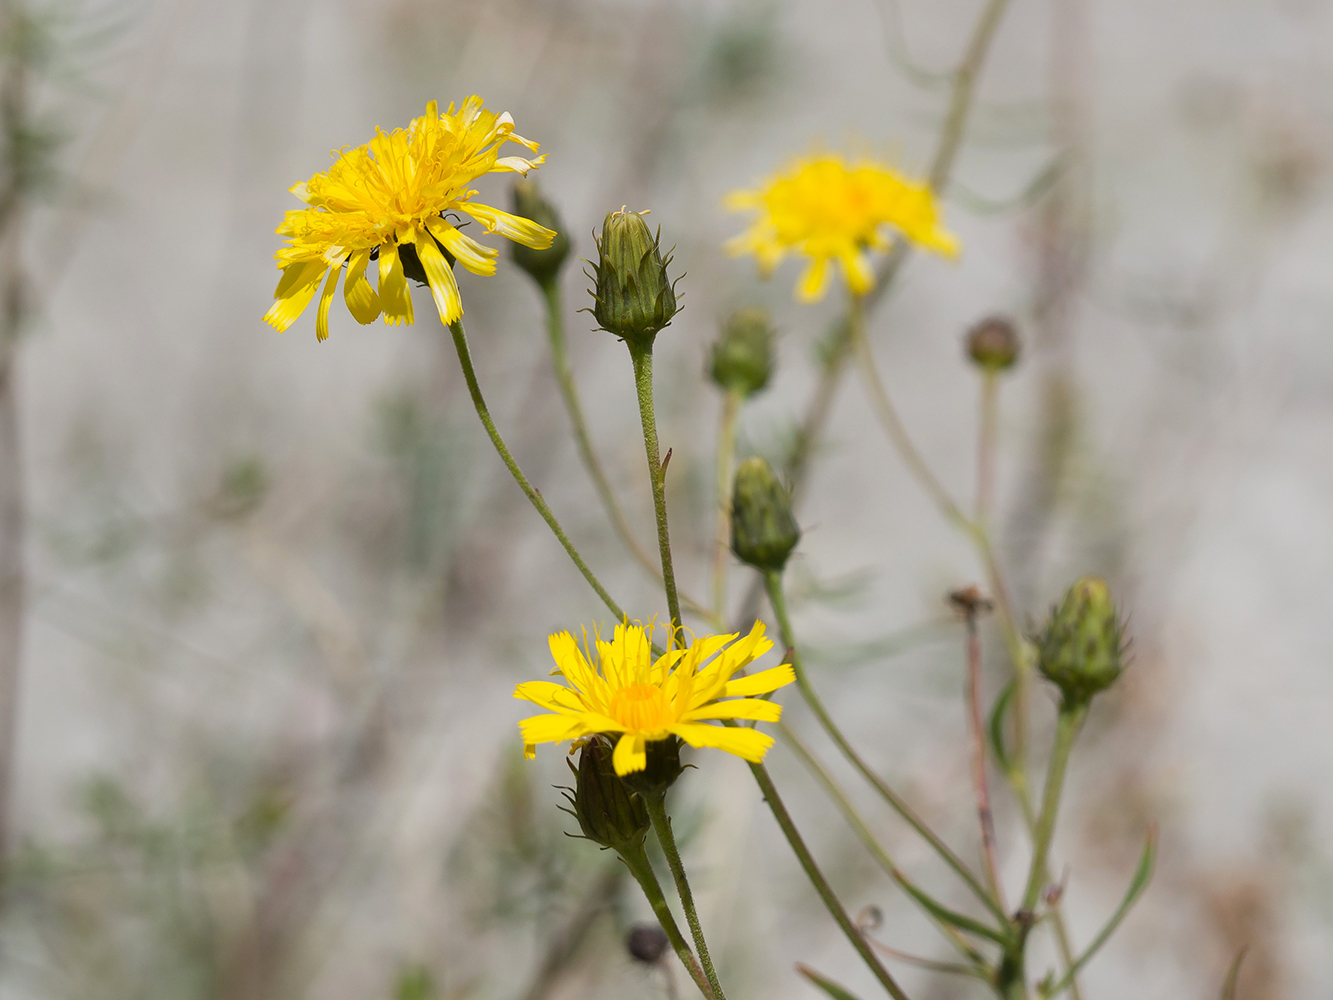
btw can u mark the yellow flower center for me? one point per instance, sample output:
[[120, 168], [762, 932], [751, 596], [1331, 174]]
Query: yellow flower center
[[641, 708]]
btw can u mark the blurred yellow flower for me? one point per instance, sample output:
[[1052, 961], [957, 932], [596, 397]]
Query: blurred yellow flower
[[827, 209], [387, 200], [630, 693]]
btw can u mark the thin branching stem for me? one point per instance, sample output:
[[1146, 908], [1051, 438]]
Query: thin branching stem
[[726, 460], [636, 860], [533, 495], [773, 582], [980, 784], [1067, 726]]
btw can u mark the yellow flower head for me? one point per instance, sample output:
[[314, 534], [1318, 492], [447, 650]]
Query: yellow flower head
[[388, 199], [642, 699], [827, 209]]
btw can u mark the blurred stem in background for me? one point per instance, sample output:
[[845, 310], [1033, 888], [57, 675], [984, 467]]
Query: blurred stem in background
[[14, 115], [726, 459]]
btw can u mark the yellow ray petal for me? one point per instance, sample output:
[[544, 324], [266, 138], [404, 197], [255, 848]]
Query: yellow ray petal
[[811, 286], [362, 302], [395, 299], [630, 754], [570, 662], [440, 277], [760, 683], [551, 728], [741, 708], [514, 227], [325, 300], [748, 744], [476, 257], [555, 697], [860, 275], [296, 288]]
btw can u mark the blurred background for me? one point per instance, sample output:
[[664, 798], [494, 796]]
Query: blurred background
[[279, 592]]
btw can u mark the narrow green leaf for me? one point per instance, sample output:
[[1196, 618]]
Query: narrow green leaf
[[997, 727], [1233, 977], [959, 920], [1137, 885], [824, 983]]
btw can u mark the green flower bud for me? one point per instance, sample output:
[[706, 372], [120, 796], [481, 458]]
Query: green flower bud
[[661, 771], [1083, 646], [993, 344], [609, 813], [633, 298], [763, 530], [543, 265], [742, 358]]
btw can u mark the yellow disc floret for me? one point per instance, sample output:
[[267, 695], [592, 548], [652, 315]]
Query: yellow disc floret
[[388, 200], [625, 691], [827, 209]]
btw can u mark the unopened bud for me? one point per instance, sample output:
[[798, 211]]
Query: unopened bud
[[633, 297], [609, 813], [661, 769], [993, 343], [763, 530], [647, 943], [742, 358], [1082, 648], [543, 265]]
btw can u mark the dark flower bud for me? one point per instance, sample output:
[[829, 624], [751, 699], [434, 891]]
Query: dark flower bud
[[647, 943], [609, 813], [662, 768], [763, 530], [993, 344], [633, 297], [543, 265], [742, 358], [1082, 648]]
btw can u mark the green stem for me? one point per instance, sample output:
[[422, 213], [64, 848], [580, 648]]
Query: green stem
[[877, 851], [1066, 730], [643, 382], [533, 495], [555, 331], [726, 460], [636, 860], [773, 582], [656, 803], [820, 883]]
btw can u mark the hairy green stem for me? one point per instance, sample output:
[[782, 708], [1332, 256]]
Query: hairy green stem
[[1066, 730], [862, 830], [643, 383], [773, 582], [636, 860], [656, 804], [726, 460], [533, 495], [820, 883]]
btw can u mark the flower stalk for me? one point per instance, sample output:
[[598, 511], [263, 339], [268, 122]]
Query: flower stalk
[[642, 358], [636, 860]]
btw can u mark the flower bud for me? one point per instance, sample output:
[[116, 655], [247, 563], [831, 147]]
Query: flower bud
[[647, 943], [543, 265], [742, 358], [993, 344], [1083, 645], [763, 530], [661, 770], [633, 298], [608, 812]]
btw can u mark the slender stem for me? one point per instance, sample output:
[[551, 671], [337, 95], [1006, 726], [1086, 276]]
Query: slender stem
[[978, 728], [643, 382], [820, 883], [569, 393], [726, 459], [534, 496], [1066, 730], [636, 860], [656, 804], [986, 447], [893, 425], [877, 851], [776, 597]]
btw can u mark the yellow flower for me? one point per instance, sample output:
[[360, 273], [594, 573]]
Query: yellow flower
[[630, 693], [827, 209], [388, 199]]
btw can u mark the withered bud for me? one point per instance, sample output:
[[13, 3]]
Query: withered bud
[[993, 344], [647, 943]]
